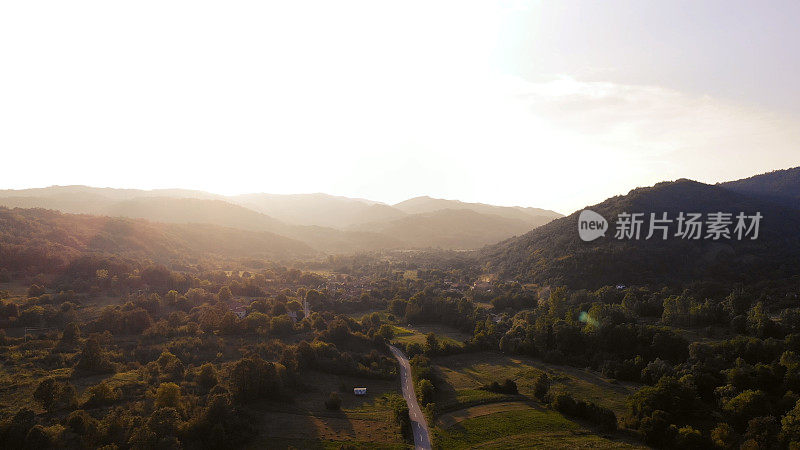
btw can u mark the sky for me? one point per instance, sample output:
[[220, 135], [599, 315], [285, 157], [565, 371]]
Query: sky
[[557, 105]]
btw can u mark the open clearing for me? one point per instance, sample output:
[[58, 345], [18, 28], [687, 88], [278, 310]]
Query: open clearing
[[452, 418], [464, 374], [366, 419], [521, 425], [410, 334]]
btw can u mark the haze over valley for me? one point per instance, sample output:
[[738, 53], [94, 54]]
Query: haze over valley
[[399, 225], [327, 224]]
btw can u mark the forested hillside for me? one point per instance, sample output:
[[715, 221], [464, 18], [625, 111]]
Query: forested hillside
[[326, 223], [37, 240], [449, 228], [532, 216], [780, 186], [554, 253]]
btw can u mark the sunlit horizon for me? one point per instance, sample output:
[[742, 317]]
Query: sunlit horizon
[[553, 106]]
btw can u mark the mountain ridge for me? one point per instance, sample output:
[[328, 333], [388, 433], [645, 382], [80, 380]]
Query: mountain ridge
[[554, 253], [327, 223]]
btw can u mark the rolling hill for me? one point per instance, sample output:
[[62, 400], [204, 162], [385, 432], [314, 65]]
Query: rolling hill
[[326, 223], [198, 210], [222, 213], [534, 217], [781, 187], [449, 228], [555, 254], [48, 239], [319, 209]]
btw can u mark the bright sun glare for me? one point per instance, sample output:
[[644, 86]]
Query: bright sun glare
[[366, 99]]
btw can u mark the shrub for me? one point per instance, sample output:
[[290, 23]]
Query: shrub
[[508, 387], [53, 395], [541, 387], [603, 418], [100, 395], [207, 376], [334, 402]]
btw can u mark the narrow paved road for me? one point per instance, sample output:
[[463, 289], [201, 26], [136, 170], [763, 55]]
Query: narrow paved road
[[419, 425]]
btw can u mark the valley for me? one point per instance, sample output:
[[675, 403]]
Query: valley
[[134, 333]]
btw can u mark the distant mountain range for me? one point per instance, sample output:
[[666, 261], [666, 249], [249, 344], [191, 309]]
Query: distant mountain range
[[528, 244], [554, 253], [325, 223]]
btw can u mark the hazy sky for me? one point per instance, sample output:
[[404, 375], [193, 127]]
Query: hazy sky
[[550, 104]]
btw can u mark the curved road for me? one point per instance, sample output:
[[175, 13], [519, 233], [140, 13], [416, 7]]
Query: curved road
[[419, 425]]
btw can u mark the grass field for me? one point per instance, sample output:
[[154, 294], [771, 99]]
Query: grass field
[[416, 334], [515, 425], [475, 430], [547, 440], [464, 374], [365, 419]]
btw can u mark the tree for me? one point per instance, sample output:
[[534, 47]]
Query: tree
[[224, 294], [723, 436], [764, 431], [53, 395], [280, 325], [655, 370], [690, 438], [252, 378], [45, 393], [207, 376], [35, 290], [431, 343], [164, 422], [398, 307], [38, 438], [71, 333], [737, 303], [334, 402], [425, 391], [541, 387], [84, 425], [509, 387], [168, 395], [278, 309], [170, 365], [790, 424], [747, 405], [386, 332], [668, 395], [93, 358], [100, 394]]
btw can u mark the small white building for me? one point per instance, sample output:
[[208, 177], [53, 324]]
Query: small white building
[[360, 391]]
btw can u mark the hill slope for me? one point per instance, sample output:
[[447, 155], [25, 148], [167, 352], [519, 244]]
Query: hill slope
[[192, 210], [46, 239], [555, 254], [326, 223], [450, 229], [780, 186], [318, 209], [532, 216]]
